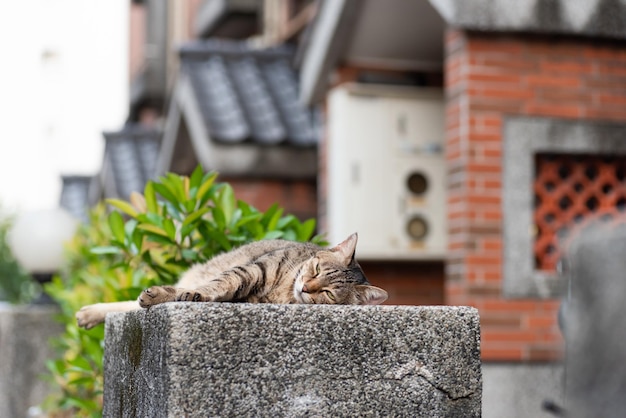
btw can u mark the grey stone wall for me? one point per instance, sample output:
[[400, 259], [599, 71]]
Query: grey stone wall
[[595, 328], [186, 359], [25, 332]]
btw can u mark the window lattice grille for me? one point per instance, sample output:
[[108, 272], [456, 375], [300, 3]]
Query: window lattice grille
[[571, 191]]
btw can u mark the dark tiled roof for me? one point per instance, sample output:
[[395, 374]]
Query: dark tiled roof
[[77, 195], [132, 157], [248, 94]]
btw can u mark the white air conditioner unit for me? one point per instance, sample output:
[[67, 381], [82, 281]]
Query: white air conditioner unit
[[386, 171]]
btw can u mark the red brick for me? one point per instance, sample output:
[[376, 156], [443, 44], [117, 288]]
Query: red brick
[[595, 52], [545, 353], [482, 290], [543, 80], [480, 137], [508, 336], [605, 113], [560, 95], [491, 353], [492, 121], [500, 321], [523, 305], [491, 244], [475, 199], [509, 63], [493, 276], [567, 66], [500, 46], [486, 78], [612, 70], [544, 321], [492, 183], [491, 215], [612, 99], [510, 93], [563, 110]]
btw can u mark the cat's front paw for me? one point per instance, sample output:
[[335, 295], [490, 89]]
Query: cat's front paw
[[89, 316], [155, 295]]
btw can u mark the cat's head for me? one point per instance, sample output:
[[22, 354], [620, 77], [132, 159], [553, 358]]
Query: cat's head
[[333, 276]]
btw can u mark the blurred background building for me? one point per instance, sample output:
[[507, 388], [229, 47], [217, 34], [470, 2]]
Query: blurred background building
[[466, 141]]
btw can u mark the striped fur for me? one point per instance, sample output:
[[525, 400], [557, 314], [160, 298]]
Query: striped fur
[[272, 271]]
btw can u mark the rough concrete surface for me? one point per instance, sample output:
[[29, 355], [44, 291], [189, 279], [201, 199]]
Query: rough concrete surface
[[25, 331], [595, 328], [212, 359]]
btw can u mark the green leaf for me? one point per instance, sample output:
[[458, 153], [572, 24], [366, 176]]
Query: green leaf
[[165, 193], [190, 255], [131, 293], [320, 240], [273, 234], [159, 239], [272, 216], [170, 228], [306, 229], [153, 218], [186, 230], [81, 381], [219, 237], [81, 403], [218, 217], [247, 219], [109, 249], [246, 209], [116, 222], [290, 235], [175, 184], [150, 195], [203, 190], [286, 221], [195, 215], [80, 364], [125, 207], [195, 179], [154, 229], [227, 202]]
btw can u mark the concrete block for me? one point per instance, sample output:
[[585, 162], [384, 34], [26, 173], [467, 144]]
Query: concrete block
[[226, 359], [25, 332], [595, 329]]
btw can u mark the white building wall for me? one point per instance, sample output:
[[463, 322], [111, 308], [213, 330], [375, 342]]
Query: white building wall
[[64, 80]]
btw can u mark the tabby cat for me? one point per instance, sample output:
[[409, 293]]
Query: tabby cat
[[271, 271]]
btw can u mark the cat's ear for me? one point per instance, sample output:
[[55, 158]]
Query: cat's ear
[[346, 249], [371, 295]]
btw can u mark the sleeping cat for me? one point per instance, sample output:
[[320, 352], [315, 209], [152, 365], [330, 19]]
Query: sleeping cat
[[272, 271]]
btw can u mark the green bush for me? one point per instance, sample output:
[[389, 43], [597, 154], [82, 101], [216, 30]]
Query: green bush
[[16, 285], [178, 221]]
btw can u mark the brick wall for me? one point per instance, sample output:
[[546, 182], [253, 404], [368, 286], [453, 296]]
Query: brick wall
[[297, 197], [489, 76], [407, 282]]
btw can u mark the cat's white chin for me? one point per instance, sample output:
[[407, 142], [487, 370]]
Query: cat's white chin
[[298, 294]]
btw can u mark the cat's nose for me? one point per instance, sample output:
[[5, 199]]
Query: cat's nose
[[305, 289]]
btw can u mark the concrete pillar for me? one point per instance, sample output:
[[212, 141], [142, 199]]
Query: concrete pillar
[[25, 331], [226, 359]]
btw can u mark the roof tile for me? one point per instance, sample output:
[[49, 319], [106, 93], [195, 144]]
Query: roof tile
[[248, 94]]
